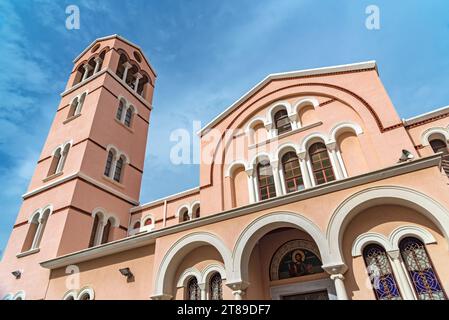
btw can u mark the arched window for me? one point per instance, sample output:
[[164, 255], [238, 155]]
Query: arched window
[[128, 117], [196, 212], [266, 181], [282, 121], [73, 107], [421, 271], [35, 230], [148, 222], [119, 169], [380, 273], [185, 216], [55, 162], [439, 146], [106, 232], [193, 290], [215, 287], [120, 108], [85, 296], [292, 172], [321, 164], [93, 234], [109, 161], [137, 225]]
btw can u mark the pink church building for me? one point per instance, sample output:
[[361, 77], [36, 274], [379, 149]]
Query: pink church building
[[311, 187]]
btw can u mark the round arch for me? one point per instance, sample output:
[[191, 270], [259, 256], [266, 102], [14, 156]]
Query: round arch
[[344, 127], [166, 272], [260, 227], [443, 132], [394, 195]]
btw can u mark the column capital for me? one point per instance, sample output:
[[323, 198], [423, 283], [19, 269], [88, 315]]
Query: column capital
[[302, 155], [335, 269], [98, 59], [274, 164], [127, 65], [249, 171], [238, 285], [332, 145], [87, 67], [202, 286], [394, 255], [238, 294], [138, 75], [337, 276]]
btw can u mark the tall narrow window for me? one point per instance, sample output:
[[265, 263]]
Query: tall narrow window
[[380, 273], [292, 172], [93, 234], [110, 159], [421, 271], [118, 169], [282, 121], [73, 107], [321, 164], [215, 287], [193, 290], [128, 117], [106, 231], [55, 162], [119, 113], [266, 181], [31, 234]]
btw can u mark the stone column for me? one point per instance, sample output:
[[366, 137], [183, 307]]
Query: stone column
[[162, 297], [336, 274], [136, 83], [238, 294], [277, 180], [98, 61], [401, 276], [203, 292], [127, 66], [304, 169], [340, 286], [331, 147], [251, 187], [87, 68]]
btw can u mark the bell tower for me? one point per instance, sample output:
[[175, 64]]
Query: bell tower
[[90, 170]]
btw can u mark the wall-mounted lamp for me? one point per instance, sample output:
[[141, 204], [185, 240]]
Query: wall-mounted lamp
[[17, 274], [127, 273]]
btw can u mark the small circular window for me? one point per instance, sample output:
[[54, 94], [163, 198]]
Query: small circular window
[[95, 48], [137, 56]]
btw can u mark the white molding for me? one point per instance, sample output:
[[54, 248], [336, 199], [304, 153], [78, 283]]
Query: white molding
[[414, 231], [304, 145], [394, 195], [167, 198], [345, 126], [87, 290], [425, 116], [178, 250], [307, 72], [369, 238], [210, 269], [20, 294], [430, 131], [260, 226], [143, 239], [253, 121], [187, 275], [232, 166], [71, 293], [183, 206], [281, 150], [303, 102], [275, 107], [257, 158]]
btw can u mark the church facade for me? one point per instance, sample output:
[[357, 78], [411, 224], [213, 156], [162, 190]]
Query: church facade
[[311, 187]]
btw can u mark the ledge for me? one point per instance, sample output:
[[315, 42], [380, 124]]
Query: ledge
[[71, 118], [124, 126], [27, 253], [140, 240], [53, 176], [115, 183]]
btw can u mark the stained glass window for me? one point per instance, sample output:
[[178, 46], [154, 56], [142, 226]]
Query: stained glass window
[[267, 189], [193, 290], [380, 273], [321, 164], [215, 287], [282, 122], [292, 172], [421, 271]]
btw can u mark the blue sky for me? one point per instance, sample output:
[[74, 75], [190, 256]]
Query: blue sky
[[207, 53]]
